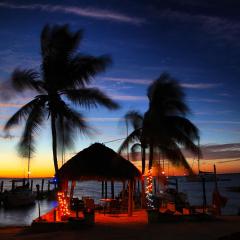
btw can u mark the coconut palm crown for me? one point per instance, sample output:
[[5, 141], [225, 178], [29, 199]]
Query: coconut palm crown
[[62, 80], [165, 128]]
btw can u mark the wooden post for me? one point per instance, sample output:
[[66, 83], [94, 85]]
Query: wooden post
[[138, 186], [48, 186], [105, 189], [204, 195], [42, 186], [130, 198], [218, 208], [155, 185], [1, 190], [102, 189], [215, 177], [31, 187], [38, 196], [72, 189], [23, 182], [112, 189], [123, 190], [13, 185], [143, 199], [176, 184]]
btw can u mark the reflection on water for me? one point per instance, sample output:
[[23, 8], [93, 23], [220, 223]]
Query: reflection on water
[[24, 216]]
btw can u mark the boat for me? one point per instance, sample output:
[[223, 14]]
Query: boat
[[18, 196]]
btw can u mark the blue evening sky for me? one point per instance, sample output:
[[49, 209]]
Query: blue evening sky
[[197, 42]]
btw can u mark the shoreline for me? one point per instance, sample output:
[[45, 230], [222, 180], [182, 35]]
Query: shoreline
[[223, 226]]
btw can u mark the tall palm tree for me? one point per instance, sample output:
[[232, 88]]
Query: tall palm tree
[[63, 79], [135, 138], [164, 127]]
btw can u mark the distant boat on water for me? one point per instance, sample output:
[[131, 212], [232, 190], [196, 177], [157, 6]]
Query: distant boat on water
[[18, 196]]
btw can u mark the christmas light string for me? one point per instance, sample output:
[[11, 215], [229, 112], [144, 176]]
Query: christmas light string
[[149, 187], [63, 204]]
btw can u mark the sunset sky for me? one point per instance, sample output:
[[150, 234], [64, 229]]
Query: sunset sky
[[197, 42]]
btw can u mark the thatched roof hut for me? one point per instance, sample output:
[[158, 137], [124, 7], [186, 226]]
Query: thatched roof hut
[[98, 162]]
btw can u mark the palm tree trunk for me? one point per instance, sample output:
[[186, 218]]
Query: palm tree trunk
[[143, 196], [150, 156], [54, 143], [143, 158]]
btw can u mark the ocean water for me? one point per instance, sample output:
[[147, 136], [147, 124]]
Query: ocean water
[[24, 216]]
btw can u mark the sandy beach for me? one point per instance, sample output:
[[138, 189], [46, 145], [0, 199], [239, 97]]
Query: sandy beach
[[136, 227]]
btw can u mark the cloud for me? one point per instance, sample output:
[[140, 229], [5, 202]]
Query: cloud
[[147, 82], [200, 85], [128, 97], [10, 105], [220, 27], [79, 11], [102, 119], [221, 151], [218, 122], [220, 112], [128, 80], [207, 100]]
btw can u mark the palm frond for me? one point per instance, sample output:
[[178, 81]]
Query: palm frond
[[26, 145], [65, 134], [82, 68], [90, 97], [183, 132], [175, 156], [130, 139], [21, 114], [73, 118], [135, 150], [26, 79], [135, 118], [166, 94], [59, 41]]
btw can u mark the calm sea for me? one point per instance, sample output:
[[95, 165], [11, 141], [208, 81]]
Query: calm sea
[[24, 216]]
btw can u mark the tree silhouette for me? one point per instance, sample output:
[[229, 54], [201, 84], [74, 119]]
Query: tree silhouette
[[135, 138], [63, 79], [164, 127]]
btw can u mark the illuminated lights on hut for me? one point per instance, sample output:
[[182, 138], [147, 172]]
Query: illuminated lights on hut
[[63, 205], [149, 188]]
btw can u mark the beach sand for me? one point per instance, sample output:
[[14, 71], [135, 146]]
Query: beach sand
[[134, 228]]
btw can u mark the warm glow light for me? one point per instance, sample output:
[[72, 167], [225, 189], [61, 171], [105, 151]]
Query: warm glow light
[[149, 187], [63, 205]]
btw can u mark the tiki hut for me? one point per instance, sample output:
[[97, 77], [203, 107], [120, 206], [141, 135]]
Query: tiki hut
[[100, 163]]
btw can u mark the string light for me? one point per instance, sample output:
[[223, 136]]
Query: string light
[[149, 187], [63, 205]]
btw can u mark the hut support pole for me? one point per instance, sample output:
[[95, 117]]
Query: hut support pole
[[142, 193], [105, 189], [112, 189], [130, 198], [42, 186], [102, 189], [1, 186], [73, 184]]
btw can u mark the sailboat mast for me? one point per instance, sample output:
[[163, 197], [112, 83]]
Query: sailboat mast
[[198, 156], [29, 157]]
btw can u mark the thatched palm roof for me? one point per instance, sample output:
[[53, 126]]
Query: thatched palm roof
[[98, 162]]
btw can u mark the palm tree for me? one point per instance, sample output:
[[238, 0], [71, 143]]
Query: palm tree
[[164, 127], [135, 138], [63, 79]]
